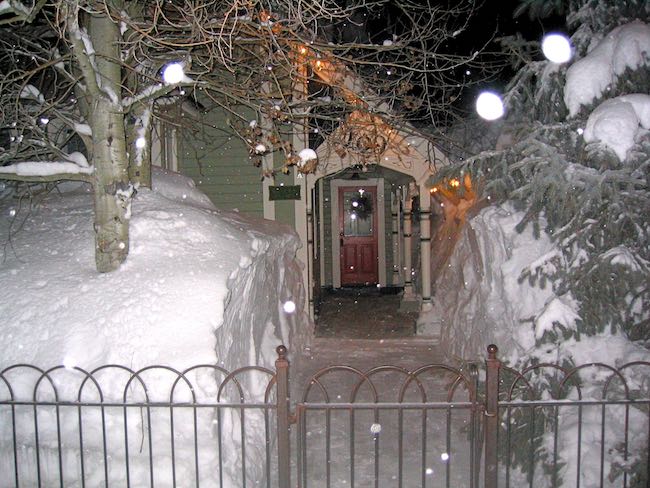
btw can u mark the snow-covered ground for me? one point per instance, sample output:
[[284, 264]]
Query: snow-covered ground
[[199, 287]]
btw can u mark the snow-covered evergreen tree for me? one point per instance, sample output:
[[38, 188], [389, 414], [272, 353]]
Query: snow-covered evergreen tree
[[574, 164]]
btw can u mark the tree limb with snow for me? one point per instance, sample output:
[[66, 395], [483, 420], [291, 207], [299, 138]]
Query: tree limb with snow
[[87, 77]]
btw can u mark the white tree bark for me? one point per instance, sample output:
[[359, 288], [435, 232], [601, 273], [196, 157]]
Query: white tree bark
[[97, 52]]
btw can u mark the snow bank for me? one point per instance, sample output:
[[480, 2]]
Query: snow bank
[[199, 287], [627, 46], [481, 300], [617, 122]]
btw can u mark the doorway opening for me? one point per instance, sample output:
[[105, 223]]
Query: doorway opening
[[359, 270]]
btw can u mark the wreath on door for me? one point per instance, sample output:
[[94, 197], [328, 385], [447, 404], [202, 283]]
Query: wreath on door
[[361, 206]]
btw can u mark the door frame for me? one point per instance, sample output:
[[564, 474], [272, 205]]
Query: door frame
[[381, 228]]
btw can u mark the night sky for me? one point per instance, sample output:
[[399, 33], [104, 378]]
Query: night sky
[[494, 19]]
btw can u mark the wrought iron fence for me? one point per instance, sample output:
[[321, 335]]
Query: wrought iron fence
[[435, 426], [203, 426]]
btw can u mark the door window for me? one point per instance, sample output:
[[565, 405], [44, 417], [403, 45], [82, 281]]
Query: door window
[[357, 213]]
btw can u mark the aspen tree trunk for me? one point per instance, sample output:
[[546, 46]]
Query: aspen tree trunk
[[102, 76], [113, 193]]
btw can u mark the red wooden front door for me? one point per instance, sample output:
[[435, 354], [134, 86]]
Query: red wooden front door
[[358, 235]]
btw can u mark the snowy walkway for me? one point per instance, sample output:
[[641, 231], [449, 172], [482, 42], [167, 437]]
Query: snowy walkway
[[363, 313], [365, 443]]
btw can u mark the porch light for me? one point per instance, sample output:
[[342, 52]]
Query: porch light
[[454, 183], [303, 50], [434, 190]]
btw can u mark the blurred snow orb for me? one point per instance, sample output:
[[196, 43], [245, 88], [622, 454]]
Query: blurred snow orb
[[489, 105], [556, 48], [173, 73], [444, 456], [69, 363], [375, 428], [289, 306], [140, 142]]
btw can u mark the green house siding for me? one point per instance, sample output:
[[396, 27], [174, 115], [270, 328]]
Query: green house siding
[[218, 162]]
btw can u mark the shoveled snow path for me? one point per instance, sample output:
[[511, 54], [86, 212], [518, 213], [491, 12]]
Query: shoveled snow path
[[447, 454]]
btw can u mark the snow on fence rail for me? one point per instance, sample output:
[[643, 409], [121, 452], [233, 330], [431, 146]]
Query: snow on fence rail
[[435, 426]]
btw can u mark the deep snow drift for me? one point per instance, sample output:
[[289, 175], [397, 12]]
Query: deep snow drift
[[485, 301], [199, 287]]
